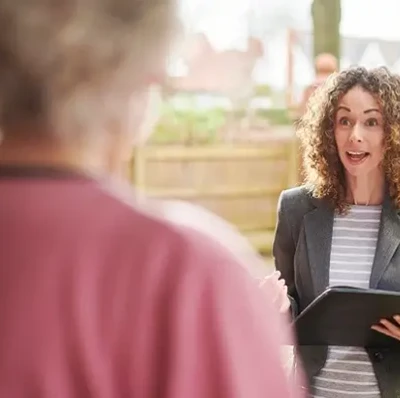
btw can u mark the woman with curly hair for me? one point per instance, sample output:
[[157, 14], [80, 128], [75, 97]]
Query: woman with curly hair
[[343, 227]]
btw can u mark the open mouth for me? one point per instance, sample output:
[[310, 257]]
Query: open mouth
[[356, 157]]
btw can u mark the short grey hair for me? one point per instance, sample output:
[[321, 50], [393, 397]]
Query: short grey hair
[[63, 63]]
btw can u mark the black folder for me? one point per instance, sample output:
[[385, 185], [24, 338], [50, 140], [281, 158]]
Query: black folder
[[343, 316]]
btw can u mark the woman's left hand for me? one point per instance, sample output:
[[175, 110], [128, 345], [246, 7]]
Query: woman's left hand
[[391, 329]]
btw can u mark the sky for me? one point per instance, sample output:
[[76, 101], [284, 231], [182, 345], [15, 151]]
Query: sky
[[227, 21], [371, 18]]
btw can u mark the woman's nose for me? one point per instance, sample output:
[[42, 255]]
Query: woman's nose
[[356, 133]]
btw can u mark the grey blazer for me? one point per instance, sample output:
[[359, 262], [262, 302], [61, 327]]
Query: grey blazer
[[302, 253]]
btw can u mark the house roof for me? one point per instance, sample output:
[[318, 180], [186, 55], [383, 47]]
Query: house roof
[[217, 71]]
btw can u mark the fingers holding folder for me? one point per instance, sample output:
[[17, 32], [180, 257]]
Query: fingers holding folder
[[389, 328], [344, 316]]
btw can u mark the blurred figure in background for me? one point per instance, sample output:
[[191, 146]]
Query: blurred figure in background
[[99, 297], [325, 65]]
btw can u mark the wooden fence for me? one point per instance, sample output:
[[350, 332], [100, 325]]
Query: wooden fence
[[241, 183]]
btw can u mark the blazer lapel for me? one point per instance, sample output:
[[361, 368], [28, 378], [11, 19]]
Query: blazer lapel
[[318, 225], [388, 241]]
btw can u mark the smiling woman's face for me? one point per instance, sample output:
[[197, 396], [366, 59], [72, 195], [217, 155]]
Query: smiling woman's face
[[359, 132]]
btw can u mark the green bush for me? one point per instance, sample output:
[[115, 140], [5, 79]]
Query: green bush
[[275, 116], [262, 90], [188, 125], [203, 126]]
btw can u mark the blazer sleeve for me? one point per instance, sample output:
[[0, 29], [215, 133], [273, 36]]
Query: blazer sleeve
[[283, 251]]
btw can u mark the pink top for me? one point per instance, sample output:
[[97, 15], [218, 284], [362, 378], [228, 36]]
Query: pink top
[[100, 299]]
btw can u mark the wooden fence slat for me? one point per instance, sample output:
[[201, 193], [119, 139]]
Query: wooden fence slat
[[139, 168], [266, 223], [261, 240], [258, 230], [217, 153], [219, 193]]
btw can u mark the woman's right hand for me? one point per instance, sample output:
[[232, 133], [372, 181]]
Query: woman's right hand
[[277, 287]]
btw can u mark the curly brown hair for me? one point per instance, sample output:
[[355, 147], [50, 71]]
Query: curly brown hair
[[323, 171]]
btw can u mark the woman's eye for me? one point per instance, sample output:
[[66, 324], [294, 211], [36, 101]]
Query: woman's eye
[[371, 122], [344, 121]]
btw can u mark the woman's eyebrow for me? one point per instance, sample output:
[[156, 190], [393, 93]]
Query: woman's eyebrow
[[372, 110]]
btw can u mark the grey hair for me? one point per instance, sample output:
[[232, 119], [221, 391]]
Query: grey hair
[[67, 64]]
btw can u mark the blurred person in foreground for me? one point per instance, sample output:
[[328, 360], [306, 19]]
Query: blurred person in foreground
[[343, 227], [99, 296]]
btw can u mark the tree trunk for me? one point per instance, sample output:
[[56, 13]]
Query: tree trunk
[[326, 16]]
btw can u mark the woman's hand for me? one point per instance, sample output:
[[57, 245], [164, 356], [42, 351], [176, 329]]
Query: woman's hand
[[278, 288], [391, 329]]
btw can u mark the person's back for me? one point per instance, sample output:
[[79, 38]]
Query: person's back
[[99, 299]]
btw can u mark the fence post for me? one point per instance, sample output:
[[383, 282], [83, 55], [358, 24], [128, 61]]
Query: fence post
[[294, 162], [138, 168]]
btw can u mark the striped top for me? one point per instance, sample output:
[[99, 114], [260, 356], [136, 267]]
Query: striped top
[[348, 371]]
